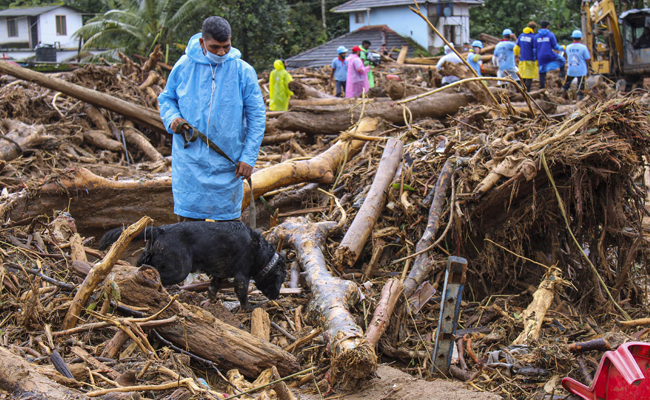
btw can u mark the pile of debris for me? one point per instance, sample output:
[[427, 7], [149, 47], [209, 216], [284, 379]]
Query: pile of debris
[[370, 199]]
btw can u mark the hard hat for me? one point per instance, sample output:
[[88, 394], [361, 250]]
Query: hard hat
[[506, 32], [341, 49], [477, 43], [577, 34], [356, 48]]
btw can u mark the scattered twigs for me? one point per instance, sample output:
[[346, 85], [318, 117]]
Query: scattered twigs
[[100, 271]]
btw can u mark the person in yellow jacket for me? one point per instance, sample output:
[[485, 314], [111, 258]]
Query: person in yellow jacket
[[527, 51], [279, 87]]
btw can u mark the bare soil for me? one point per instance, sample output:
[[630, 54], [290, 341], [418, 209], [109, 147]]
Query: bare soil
[[393, 384]]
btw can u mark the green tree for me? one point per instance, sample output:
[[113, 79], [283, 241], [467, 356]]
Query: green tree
[[497, 15], [138, 25]]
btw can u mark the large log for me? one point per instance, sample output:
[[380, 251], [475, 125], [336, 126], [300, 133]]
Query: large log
[[355, 238], [141, 115], [201, 333], [103, 203], [106, 203], [439, 105], [23, 380], [353, 357]]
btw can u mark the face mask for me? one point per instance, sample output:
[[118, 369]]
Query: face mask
[[213, 58]]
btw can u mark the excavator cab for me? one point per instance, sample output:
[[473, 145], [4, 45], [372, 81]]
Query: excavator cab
[[635, 30]]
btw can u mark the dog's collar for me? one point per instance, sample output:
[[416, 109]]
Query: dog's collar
[[270, 267]]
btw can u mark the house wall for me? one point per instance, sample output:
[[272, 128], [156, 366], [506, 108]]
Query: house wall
[[23, 31], [47, 28], [460, 17], [400, 19]]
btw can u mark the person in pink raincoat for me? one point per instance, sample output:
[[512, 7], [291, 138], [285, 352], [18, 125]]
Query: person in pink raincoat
[[357, 82]]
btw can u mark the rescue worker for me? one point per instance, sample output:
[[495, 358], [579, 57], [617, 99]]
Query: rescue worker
[[279, 92], [452, 58], [528, 68], [504, 52], [212, 89], [365, 49], [578, 57], [548, 59], [357, 81], [339, 71], [474, 56]]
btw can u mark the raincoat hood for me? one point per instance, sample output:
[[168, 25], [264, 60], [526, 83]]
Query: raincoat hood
[[278, 65], [528, 30], [195, 52], [543, 32]]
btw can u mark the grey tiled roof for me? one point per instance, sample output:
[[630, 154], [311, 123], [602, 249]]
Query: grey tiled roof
[[31, 11], [325, 53], [358, 5]]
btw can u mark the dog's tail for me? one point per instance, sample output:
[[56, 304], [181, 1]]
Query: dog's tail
[[111, 236]]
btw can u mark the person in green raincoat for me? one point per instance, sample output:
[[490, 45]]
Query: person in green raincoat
[[279, 87], [365, 48]]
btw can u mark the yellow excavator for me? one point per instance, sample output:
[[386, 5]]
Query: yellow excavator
[[619, 44]]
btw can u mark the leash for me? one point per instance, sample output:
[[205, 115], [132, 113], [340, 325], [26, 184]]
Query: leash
[[190, 134]]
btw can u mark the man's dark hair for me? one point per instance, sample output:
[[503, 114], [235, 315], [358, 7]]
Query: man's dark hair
[[216, 28], [365, 42], [544, 24]]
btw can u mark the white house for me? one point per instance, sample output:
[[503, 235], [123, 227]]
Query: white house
[[27, 27], [451, 18]]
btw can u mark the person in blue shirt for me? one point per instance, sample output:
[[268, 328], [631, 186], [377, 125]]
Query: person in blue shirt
[[547, 58], [339, 71], [528, 68], [212, 89], [474, 56], [504, 52], [578, 56]]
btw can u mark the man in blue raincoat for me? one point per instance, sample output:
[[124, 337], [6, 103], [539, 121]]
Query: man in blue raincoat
[[212, 89]]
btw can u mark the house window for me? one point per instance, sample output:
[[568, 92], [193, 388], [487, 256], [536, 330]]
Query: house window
[[453, 33], [360, 18], [61, 29], [12, 27]]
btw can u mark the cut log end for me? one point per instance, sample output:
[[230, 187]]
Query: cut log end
[[356, 360]]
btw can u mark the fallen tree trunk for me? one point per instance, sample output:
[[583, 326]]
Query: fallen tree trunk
[[331, 101], [353, 357], [303, 91], [355, 238], [439, 105], [422, 265], [141, 115], [107, 203], [201, 333], [103, 202], [19, 137], [23, 380], [400, 90], [533, 316]]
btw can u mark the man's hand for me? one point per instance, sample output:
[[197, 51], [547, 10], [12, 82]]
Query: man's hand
[[244, 170], [175, 123]]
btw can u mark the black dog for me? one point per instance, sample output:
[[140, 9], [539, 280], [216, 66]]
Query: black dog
[[219, 249]]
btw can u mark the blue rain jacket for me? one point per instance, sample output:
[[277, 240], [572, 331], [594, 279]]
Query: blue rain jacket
[[203, 182], [546, 43], [505, 53], [526, 43]]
